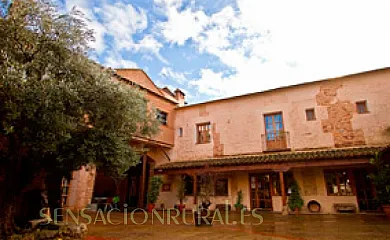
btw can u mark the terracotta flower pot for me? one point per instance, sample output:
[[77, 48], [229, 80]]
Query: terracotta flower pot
[[386, 209], [181, 207], [151, 207], [296, 211]]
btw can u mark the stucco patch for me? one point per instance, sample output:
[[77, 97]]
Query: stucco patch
[[340, 114], [218, 146]]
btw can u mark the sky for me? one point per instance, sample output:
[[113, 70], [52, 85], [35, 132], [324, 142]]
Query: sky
[[214, 49]]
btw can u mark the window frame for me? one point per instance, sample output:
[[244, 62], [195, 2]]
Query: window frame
[[226, 180], [311, 110], [364, 104], [339, 183], [159, 116], [198, 132], [272, 133], [180, 132]]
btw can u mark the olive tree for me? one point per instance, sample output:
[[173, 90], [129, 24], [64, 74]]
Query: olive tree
[[58, 109]]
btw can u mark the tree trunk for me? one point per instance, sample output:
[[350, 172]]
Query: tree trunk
[[9, 207], [53, 185], [6, 221], [15, 180]]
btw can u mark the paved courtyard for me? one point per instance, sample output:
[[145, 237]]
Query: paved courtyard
[[273, 227]]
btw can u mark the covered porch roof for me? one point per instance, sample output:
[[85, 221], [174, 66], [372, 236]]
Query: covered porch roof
[[274, 161]]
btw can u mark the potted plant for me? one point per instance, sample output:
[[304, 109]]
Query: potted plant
[[181, 194], [115, 201], [154, 192], [295, 201], [381, 180], [238, 205], [206, 188]]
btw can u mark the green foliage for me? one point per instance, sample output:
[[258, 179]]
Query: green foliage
[[58, 109], [238, 205], [181, 190], [115, 199], [381, 178], [154, 189], [63, 110], [295, 200]]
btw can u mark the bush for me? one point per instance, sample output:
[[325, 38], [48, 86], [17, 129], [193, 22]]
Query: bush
[[381, 179], [239, 204], [154, 189], [295, 200]]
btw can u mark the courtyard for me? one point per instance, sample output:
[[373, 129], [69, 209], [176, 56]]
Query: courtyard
[[273, 227]]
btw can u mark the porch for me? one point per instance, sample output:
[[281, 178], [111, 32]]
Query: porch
[[326, 177]]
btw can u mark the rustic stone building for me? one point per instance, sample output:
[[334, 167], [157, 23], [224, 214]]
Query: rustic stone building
[[321, 134]]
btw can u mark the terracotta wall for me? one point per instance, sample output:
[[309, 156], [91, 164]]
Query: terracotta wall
[[239, 122], [320, 194], [166, 134]]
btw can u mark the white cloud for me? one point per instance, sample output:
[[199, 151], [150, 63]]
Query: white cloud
[[181, 25], [267, 44], [170, 74], [115, 60], [121, 22], [150, 44]]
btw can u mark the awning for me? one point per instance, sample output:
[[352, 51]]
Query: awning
[[281, 158]]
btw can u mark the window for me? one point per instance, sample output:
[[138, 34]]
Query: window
[[166, 187], [275, 184], [310, 114], [203, 133], [221, 187], [180, 132], [64, 191], [273, 126], [338, 183], [162, 116], [361, 107], [188, 185]]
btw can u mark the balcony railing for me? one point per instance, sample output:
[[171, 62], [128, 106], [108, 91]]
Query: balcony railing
[[275, 141]]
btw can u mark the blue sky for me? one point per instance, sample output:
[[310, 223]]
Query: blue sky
[[221, 48]]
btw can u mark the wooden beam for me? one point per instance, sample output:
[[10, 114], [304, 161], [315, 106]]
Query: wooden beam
[[282, 190], [142, 182], [267, 166], [195, 188]]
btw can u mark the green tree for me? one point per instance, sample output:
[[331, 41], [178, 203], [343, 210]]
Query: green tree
[[58, 109], [295, 200]]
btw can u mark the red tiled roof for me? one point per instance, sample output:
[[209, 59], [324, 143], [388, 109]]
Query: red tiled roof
[[281, 157]]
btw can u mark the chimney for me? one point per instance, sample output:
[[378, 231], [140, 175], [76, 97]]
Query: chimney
[[180, 97]]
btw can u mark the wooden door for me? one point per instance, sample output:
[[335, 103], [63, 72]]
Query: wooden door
[[274, 132], [364, 191], [260, 191]]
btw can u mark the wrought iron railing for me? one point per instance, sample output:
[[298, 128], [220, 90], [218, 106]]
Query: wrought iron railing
[[275, 141]]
